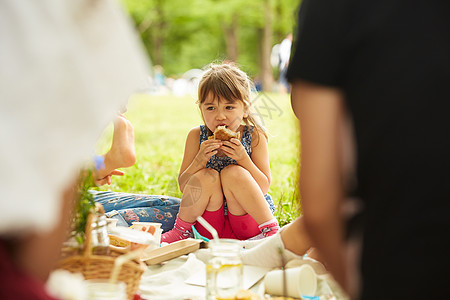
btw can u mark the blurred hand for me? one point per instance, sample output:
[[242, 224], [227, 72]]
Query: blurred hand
[[108, 178]]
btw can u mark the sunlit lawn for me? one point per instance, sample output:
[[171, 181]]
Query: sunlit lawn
[[161, 125]]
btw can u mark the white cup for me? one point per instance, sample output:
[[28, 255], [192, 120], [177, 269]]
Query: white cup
[[147, 227], [299, 281]]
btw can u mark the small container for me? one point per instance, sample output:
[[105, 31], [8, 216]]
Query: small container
[[150, 227], [137, 239], [100, 238], [224, 271]]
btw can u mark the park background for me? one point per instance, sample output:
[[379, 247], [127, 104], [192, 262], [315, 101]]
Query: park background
[[182, 37]]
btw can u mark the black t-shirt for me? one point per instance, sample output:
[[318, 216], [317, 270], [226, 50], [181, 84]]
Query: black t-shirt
[[392, 61]]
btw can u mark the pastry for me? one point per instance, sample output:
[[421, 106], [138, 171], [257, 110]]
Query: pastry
[[224, 134]]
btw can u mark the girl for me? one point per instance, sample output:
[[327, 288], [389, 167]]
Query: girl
[[230, 191]]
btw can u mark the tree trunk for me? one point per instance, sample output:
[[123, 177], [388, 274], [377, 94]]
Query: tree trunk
[[266, 48], [158, 33], [231, 38], [158, 43], [278, 34]]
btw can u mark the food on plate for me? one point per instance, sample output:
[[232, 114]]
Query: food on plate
[[118, 242], [150, 229], [137, 239], [145, 228]]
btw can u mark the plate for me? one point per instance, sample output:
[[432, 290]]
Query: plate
[[170, 251]]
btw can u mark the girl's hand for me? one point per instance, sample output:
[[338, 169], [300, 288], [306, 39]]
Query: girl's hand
[[234, 149], [207, 149]]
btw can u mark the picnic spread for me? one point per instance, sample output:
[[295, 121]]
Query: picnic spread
[[183, 278], [137, 266]]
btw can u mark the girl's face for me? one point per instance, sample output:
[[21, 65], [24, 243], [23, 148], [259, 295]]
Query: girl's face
[[218, 112]]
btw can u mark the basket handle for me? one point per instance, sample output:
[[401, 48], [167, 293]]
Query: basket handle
[[119, 261], [88, 236]]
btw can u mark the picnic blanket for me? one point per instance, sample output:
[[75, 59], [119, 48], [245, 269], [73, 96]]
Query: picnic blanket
[[167, 281]]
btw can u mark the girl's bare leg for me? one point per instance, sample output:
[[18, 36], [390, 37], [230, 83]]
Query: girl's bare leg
[[202, 192], [243, 194]]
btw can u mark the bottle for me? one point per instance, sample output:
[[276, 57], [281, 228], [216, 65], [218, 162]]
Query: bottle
[[99, 235], [224, 270]]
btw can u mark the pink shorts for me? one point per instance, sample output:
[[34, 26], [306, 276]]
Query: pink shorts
[[229, 226]]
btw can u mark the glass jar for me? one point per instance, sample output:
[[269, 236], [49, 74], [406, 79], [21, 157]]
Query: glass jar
[[224, 270], [102, 289], [99, 235]]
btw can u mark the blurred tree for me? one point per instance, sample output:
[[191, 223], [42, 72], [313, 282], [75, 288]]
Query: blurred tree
[[266, 47], [181, 35], [231, 37]]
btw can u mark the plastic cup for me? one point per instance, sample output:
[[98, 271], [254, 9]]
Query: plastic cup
[[299, 281]]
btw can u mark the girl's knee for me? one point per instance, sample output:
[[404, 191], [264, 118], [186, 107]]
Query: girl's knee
[[234, 173], [204, 178], [207, 175]]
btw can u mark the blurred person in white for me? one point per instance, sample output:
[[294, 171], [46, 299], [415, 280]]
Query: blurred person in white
[[284, 55], [67, 67]]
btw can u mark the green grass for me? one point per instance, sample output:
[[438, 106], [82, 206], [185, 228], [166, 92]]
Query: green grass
[[161, 125]]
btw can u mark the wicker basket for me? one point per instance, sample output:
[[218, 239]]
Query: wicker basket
[[101, 267]]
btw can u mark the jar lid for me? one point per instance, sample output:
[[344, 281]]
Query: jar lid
[[99, 221]]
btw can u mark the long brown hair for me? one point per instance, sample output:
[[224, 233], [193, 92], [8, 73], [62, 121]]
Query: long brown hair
[[227, 81]]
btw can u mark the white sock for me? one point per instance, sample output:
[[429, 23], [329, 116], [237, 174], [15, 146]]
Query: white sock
[[266, 253]]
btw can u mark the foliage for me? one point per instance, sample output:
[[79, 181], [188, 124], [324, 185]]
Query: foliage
[[191, 33], [161, 125], [85, 204]]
